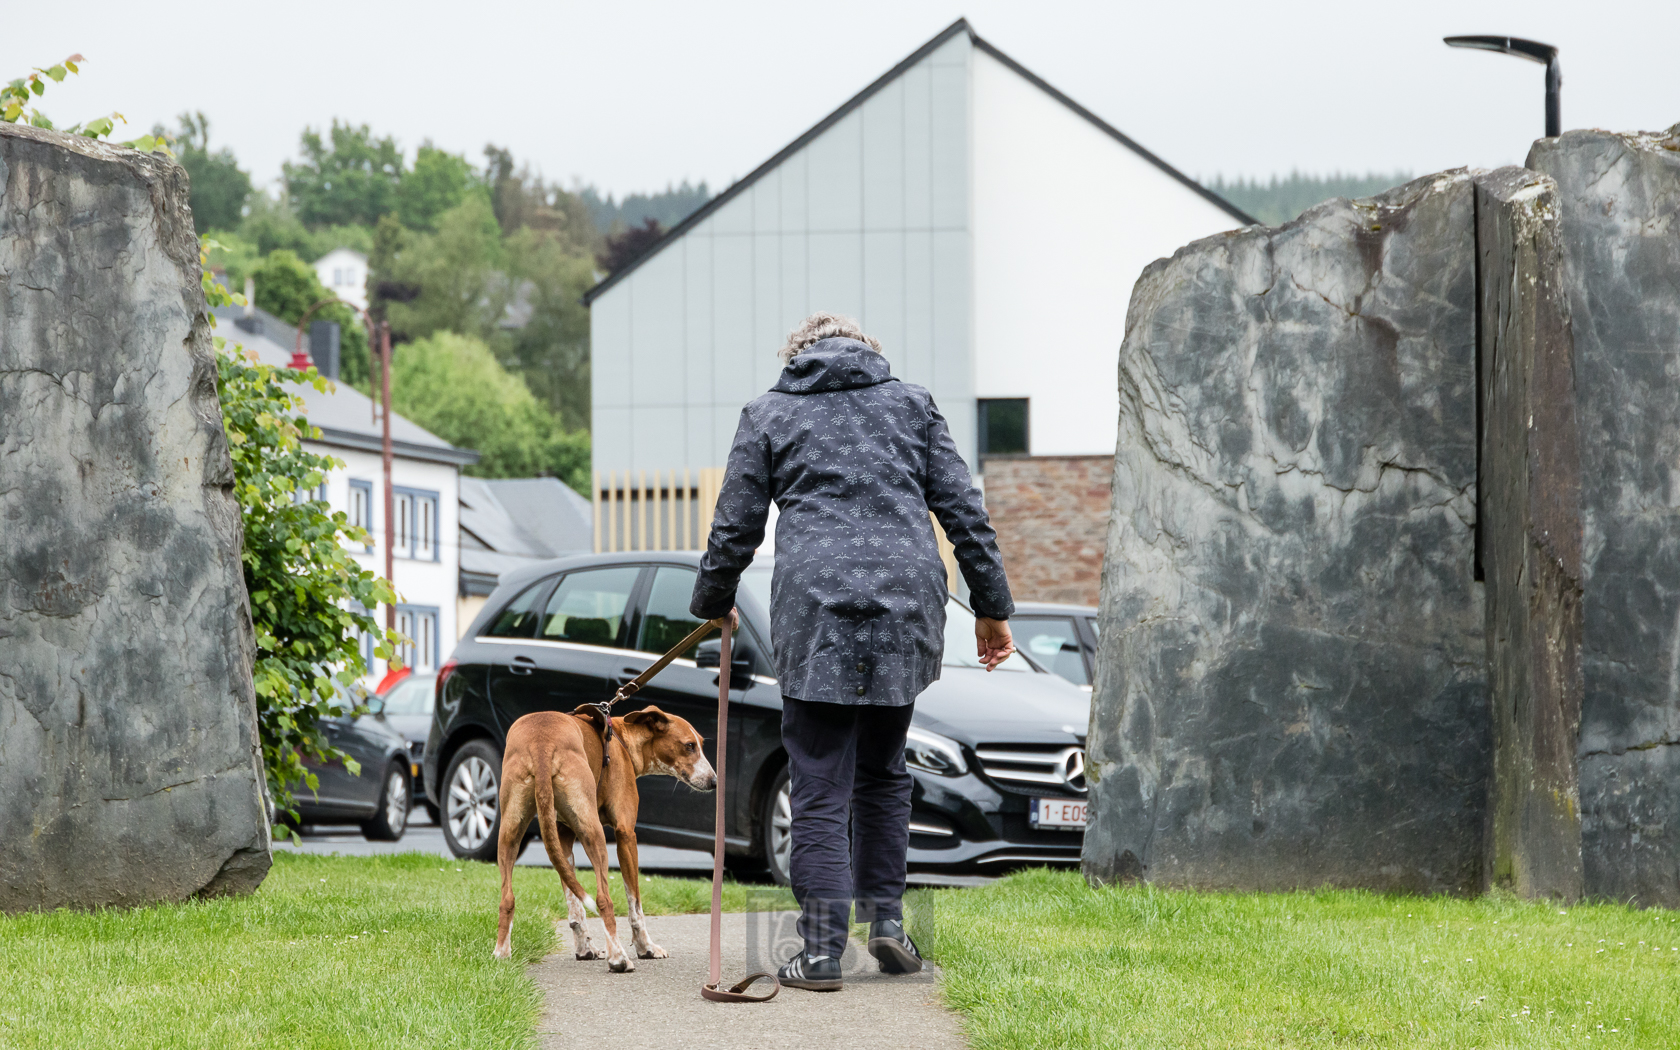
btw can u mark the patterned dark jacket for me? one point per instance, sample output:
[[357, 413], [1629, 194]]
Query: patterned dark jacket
[[855, 460]]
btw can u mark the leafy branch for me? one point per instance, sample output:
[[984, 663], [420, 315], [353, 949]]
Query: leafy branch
[[16, 100], [310, 599]]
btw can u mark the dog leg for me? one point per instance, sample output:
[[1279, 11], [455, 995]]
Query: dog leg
[[627, 868], [577, 902], [582, 946], [595, 845], [517, 805]]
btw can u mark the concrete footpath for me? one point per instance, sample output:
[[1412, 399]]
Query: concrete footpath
[[660, 1005]]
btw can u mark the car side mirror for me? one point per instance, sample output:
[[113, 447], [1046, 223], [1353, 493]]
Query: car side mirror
[[375, 704], [710, 654]]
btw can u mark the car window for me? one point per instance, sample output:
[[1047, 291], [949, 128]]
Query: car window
[[411, 696], [667, 620], [959, 642], [1054, 642], [588, 606], [519, 619]]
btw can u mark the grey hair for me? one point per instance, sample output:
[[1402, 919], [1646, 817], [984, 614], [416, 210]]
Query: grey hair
[[823, 326]]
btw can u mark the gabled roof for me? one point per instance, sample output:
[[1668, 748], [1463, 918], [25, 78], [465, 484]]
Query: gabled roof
[[959, 26], [343, 414]]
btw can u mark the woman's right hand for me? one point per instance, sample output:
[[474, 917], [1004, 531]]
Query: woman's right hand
[[993, 640]]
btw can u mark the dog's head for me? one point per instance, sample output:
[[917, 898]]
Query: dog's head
[[671, 746]]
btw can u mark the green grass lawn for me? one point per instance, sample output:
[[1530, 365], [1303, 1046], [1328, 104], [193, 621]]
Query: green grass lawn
[[358, 952], [1041, 960]]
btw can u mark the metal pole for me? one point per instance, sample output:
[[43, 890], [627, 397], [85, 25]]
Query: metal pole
[[1534, 51], [1554, 102], [385, 463]]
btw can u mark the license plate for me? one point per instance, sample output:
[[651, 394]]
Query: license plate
[[1058, 813]]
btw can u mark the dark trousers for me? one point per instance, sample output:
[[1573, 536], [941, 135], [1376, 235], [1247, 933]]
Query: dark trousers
[[851, 815]]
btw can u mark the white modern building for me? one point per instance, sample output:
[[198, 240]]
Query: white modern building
[[984, 226], [425, 489], [343, 272]]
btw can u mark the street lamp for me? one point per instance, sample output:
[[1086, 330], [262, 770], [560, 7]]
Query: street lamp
[[1534, 51]]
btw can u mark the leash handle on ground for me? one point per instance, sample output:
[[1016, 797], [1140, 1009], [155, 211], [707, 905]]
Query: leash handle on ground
[[711, 990]]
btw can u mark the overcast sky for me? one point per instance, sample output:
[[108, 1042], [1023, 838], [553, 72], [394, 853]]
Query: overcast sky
[[632, 96]]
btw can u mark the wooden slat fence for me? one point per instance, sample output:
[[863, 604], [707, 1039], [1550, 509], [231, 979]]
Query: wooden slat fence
[[660, 510]]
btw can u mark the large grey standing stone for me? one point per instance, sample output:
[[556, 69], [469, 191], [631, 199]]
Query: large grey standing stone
[[129, 764], [1620, 197], [1290, 687], [1529, 507]]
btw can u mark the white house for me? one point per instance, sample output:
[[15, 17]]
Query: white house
[[425, 486], [984, 226], [343, 272]]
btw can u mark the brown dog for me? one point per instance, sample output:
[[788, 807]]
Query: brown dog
[[552, 768]]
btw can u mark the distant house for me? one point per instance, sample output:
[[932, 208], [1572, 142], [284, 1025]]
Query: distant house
[[510, 522], [984, 226], [343, 272], [425, 487]]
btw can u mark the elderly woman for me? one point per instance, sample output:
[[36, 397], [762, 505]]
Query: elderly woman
[[855, 460]]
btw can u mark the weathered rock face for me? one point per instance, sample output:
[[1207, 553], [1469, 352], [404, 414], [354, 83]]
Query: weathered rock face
[[1620, 198], [1529, 507], [1290, 688], [129, 769]]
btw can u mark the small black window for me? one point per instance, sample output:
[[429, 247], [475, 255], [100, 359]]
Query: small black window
[[667, 620], [588, 606], [1003, 426], [519, 619], [1053, 643]]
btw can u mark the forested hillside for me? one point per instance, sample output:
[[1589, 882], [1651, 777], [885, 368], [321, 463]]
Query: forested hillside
[[1278, 200]]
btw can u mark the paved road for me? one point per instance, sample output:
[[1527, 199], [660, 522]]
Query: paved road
[[426, 837], [659, 1003]]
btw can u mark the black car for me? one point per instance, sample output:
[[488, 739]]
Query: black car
[[377, 797], [998, 758], [407, 707], [1059, 638]]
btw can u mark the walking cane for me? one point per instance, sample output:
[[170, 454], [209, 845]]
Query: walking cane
[[735, 993]]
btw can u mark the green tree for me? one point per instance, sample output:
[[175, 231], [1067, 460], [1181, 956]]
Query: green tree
[[350, 180], [551, 350], [1278, 201], [286, 288], [523, 201], [218, 188], [438, 182], [308, 595], [457, 275], [454, 387]]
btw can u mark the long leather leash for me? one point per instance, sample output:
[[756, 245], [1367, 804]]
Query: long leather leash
[[634, 685], [736, 993]]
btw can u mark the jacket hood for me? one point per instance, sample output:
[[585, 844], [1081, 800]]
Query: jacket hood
[[834, 364]]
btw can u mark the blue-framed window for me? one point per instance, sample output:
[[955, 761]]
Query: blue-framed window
[[416, 511], [360, 510], [419, 623]]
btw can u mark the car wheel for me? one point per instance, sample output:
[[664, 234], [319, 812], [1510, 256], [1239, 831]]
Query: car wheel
[[470, 788], [775, 830], [390, 820]]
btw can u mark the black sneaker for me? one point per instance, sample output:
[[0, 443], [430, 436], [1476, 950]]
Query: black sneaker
[[893, 947], [818, 974]]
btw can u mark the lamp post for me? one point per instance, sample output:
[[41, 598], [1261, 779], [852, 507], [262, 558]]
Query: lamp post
[[1534, 51], [379, 341]]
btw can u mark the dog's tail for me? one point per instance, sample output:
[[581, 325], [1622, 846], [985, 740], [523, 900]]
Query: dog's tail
[[546, 824]]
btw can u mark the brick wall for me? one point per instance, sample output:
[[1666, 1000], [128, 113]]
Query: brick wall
[[1051, 516]]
